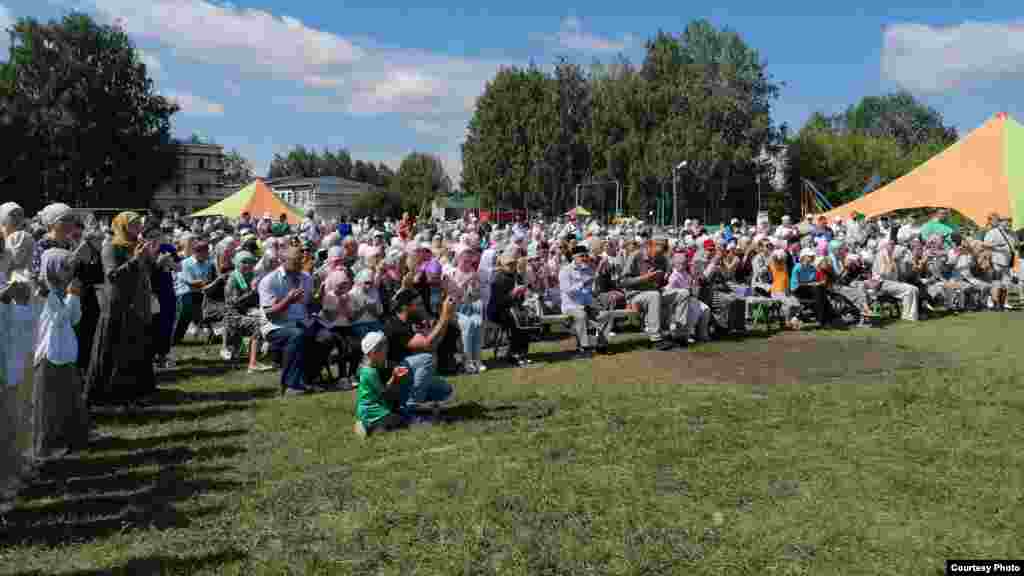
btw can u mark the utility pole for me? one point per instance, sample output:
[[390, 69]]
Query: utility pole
[[675, 194]]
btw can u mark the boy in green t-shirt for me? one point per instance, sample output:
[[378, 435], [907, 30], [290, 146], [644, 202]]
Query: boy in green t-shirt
[[374, 401]]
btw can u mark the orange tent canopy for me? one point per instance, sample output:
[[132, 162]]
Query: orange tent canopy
[[256, 199], [979, 175]]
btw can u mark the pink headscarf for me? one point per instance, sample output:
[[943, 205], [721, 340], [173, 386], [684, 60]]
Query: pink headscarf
[[337, 278], [822, 249]]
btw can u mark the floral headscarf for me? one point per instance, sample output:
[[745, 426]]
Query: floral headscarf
[[120, 228], [331, 301]]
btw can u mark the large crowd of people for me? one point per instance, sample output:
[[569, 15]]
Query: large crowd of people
[[91, 311]]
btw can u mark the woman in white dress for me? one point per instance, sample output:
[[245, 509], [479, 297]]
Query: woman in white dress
[[17, 328]]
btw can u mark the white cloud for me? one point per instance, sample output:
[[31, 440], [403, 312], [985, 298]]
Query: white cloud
[[152, 63], [254, 40], [934, 59], [572, 36], [193, 105], [6, 21], [432, 93]]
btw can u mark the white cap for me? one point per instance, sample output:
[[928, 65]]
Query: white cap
[[371, 341]]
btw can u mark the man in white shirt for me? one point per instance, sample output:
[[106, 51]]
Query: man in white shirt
[[310, 230], [285, 295], [576, 281]]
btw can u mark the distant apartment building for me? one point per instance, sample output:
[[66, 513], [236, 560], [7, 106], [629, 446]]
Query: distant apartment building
[[198, 182], [328, 196]]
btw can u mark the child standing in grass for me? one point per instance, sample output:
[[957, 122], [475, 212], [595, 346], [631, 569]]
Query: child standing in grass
[[376, 402]]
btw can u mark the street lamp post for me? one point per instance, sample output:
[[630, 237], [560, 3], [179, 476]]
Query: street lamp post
[[675, 194]]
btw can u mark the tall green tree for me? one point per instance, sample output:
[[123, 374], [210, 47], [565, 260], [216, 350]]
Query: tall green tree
[[898, 116], [512, 131], [81, 118], [710, 95], [298, 162], [881, 137], [421, 178]]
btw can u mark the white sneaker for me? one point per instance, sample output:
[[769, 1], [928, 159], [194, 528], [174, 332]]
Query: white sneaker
[[480, 366], [359, 429], [469, 368], [226, 354], [260, 368], [192, 331]]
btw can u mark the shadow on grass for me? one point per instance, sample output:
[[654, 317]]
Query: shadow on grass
[[474, 411], [134, 416], [117, 444], [120, 509], [92, 497], [159, 564], [59, 472], [173, 396]]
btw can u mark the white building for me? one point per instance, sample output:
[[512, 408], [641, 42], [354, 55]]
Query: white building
[[328, 196]]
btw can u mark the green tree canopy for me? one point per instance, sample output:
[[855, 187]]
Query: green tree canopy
[[703, 96], [421, 178], [80, 117], [881, 137]]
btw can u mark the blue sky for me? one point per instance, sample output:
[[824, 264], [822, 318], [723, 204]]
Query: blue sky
[[384, 78]]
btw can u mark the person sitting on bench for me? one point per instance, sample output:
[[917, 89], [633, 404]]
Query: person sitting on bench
[[576, 281], [285, 294]]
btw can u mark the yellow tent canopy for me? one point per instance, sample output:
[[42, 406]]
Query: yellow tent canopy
[[256, 199], [981, 174]]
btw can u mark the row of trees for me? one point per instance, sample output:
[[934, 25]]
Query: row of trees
[[307, 163], [79, 118], [870, 144], [703, 96], [420, 178]]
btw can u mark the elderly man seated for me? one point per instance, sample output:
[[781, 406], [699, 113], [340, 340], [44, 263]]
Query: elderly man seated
[[285, 295], [641, 279], [576, 281], [414, 348]]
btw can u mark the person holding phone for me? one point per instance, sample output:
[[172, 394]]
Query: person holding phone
[[415, 351], [285, 295], [121, 369]]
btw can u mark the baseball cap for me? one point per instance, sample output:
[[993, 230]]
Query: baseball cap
[[372, 341]]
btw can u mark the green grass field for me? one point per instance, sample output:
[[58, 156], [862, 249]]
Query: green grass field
[[862, 452]]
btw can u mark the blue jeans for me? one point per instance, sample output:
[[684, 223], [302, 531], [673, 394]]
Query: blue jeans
[[291, 340], [424, 386], [471, 320]]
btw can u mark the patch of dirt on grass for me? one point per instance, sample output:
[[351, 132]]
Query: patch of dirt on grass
[[790, 359]]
